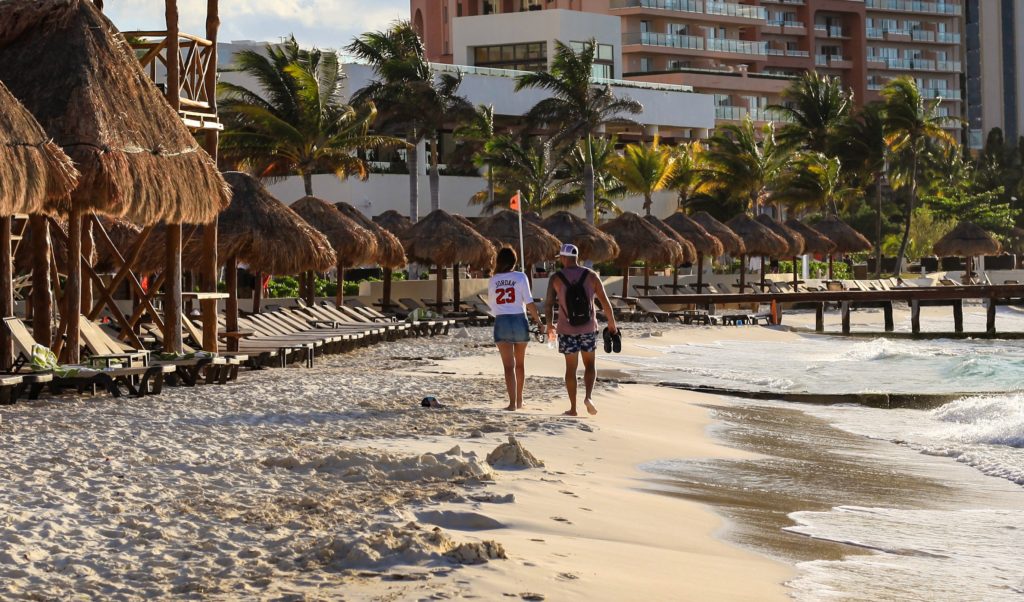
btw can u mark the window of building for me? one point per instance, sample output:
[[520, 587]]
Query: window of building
[[604, 58], [458, 9], [646, 64], [530, 56]]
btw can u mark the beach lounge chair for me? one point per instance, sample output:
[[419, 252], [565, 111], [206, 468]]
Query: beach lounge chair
[[253, 341], [648, 309], [138, 380], [325, 316], [268, 326]]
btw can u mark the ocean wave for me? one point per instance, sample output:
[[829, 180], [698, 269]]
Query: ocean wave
[[991, 420]]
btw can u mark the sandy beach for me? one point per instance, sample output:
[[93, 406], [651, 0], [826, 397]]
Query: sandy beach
[[334, 483]]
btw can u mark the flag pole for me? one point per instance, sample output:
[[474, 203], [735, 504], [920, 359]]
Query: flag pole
[[522, 254]]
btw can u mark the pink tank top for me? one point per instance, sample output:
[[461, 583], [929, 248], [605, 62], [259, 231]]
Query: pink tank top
[[563, 326]]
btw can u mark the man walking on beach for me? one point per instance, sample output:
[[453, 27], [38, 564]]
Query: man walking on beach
[[575, 288]]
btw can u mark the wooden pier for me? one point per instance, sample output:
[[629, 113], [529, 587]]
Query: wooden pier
[[915, 297]]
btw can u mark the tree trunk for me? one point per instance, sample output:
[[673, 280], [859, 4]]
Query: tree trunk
[[490, 186], [908, 216], [647, 203], [307, 183], [412, 160], [588, 182], [435, 175], [878, 225], [42, 302]]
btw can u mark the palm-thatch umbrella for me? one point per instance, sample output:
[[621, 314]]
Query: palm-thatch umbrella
[[814, 242], [731, 242], [442, 239], [702, 240], [757, 240], [689, 251], [594, 245], [395, 223], [846, 239], [794, 241], [265, 234], [503, 229], [73, 70], [967, 240], [35, 177], [352, 243], [639, 240], [390, 254]]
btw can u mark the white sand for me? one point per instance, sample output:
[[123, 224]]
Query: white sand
[[317, 484]]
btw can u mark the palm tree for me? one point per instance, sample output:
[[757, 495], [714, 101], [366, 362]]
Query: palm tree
[[608, 190], [577, 108], [645, 169], [403, 90], [296, 124], [815, 181], [815, 106], [744, 162], [689, 175], [910, 125], [448, 106], [526, 164], [863, 147], [478, 129]]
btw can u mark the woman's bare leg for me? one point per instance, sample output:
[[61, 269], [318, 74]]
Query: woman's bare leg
[[508, 361], [520, 358]]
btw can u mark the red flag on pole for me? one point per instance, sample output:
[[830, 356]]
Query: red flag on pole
[[513, 203]]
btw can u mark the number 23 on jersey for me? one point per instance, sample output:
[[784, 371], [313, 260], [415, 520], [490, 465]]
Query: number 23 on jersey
[[503, 296]]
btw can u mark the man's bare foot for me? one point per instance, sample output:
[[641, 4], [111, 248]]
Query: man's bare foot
[[570, 413], [591, 408], [519, 406], [510, 408]]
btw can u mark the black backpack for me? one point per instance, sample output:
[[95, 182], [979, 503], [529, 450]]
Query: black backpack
[[578, 306]]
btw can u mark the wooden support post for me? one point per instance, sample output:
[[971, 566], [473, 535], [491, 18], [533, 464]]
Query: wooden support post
[[73, 286], [172, 291], [339, 297], [386, 304], [6, 291], [915, 316], [796, 280], [764, 266], [990, 317], [456, 292], [743, 273], [830, 266], [208, 265], [440, 290], [819, 316], [310, 288], [846, 316], [958, 315], [647, 278], [231, 309], [625, 281], [700, 274], [88, 250], [257, 294], [890, 325], [125, 272], [42, 308]]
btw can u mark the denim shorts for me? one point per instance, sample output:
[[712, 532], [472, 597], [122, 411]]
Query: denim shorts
[[511, 328]]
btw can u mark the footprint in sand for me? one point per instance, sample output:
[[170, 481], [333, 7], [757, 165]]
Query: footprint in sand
[[567, 576], [540, 540], [531, 596], [586, 509], [568, 493], [561, 520]]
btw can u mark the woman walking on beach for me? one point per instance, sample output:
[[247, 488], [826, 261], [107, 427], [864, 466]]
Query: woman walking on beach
[[508, 294]]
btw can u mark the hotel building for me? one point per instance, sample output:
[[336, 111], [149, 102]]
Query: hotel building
[[995, 85], [744, 53]]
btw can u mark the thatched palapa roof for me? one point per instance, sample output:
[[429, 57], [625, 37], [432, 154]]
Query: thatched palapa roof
[[390, 253], [703, 241], [794, 241], [393, 221], [35, 174], [639, 240], [353, 244], [847, 239], [689, 251], [123, 234], [263, 233], [593, 244], [442, 239], [757, 238], [967, 240], [74, 71], [503, 229], [814, 241], [731, 242]]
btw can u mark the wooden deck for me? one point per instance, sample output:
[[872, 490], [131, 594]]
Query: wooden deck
[[916, 297]]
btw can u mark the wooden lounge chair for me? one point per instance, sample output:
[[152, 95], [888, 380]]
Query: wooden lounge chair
[[251, 340], [188, 371], [138, 380], [266, 326], [648, 309], [353, 318]]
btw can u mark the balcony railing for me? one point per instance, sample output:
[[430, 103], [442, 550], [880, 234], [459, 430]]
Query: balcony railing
[[668, 40], [915, 6], [949, 66], [943, 93], [195, 61], [732, 113], [736, 46], [729, 9], [494, 72]]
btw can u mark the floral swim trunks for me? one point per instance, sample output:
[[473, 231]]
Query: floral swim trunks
[[575, 343]]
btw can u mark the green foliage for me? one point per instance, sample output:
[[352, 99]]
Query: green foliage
[[282, 286], [926, 228]]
